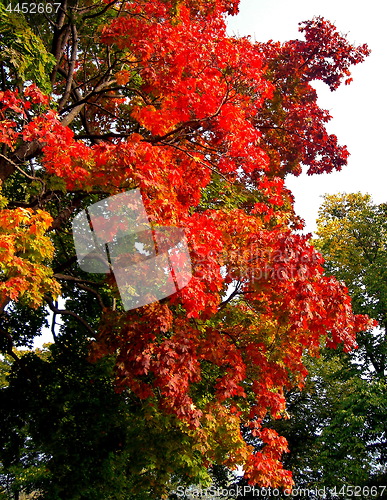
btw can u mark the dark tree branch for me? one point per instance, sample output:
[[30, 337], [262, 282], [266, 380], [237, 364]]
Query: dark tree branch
[[79, 106], [83, 284], [26, 151], [231, 296], [10, 351], [30, 177], [62, 267], [86, 99], [195, 124], [96, 14], [67, 277], [108, 135], [60, 38], [73, 60], [205, 164], [94, 292], [53, 323], [67, 312], [64, 215], [4, 304]]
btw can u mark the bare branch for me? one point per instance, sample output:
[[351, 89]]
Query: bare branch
[[65, 214], [53, 322], [78, 108], [90, 16], [85, 100], [236, 292], [25, 152], [73, 60], [94, 292], [32, 178], [108, 135], [67, 312]]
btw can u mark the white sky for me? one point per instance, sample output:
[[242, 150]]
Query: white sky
[[359, 110]]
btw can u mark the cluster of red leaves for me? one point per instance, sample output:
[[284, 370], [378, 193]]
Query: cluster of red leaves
[[298, 137], [219, 91], [62, 154], [251, 351]]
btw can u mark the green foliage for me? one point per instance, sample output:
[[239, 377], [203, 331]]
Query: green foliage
[[68, 435], [352, 236], [336, 427], [5, 368], [22, 51]]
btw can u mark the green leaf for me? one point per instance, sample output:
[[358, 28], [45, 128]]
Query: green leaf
[[23, 51]]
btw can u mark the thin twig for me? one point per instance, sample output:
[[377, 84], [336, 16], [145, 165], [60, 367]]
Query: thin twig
[[90, 16], [78, 108], [198, 160], [32, 178], [53, 323], [67, 312], [83, 284], [231, 296]]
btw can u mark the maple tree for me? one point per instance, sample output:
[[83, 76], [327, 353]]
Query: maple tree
[[156, 96]]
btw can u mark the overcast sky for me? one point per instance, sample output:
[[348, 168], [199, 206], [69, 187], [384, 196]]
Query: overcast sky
[[359, 110]]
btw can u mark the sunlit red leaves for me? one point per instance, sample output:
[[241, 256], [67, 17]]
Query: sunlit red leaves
[[218, 348], [11, 101], [11, 106], [170, 181], [201, 297], [8, 134], [176, 367], [264, 467], [267, 472], [36, 96], [219, 91], [62, 155], [255, 358], [14, 105]]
